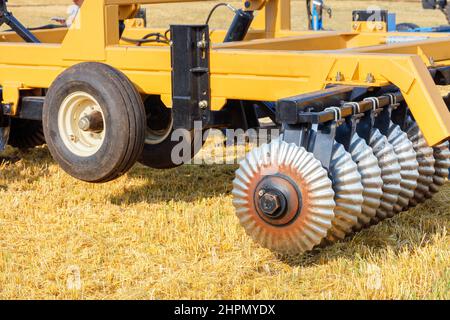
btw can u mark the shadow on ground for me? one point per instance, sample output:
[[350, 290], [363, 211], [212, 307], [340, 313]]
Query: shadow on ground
[[407, 231], [186, 184]]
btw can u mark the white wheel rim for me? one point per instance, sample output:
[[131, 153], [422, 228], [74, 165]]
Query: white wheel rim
[[74, 107], [154, 137]]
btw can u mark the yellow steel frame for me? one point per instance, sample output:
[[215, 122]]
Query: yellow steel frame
[[274, 62]]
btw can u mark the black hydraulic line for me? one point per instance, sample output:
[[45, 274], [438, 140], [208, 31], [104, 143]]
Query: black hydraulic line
[[149, 38], [217, 6]]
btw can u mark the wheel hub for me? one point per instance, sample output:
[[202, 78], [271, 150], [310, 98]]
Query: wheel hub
[[81, 124], [278, 200], [92, 122]]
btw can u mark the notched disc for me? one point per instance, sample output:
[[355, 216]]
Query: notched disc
[[409, 166], [348, 193], [390, 174], [425, 158], [441, 154], [371, 180], [315, 205]]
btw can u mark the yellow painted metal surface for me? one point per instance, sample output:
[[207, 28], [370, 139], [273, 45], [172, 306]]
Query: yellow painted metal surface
[[274, 62], [11, 95]]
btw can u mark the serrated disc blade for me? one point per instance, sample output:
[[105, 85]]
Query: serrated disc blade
[[425, 158], [409, 166], [390, 174], [312, 223], [348, 193], [441, 154], [371, 180]]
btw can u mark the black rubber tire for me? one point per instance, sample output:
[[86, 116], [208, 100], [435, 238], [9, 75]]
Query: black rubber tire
[[159, 156], [406, 27], [26, 134], [124, 117]]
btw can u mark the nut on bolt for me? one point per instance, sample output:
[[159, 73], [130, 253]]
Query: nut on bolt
[[203, 104], [370, 78], [201, 44], [270, 203]]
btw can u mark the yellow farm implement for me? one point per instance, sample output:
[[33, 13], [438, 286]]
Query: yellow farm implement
[[364, 126]]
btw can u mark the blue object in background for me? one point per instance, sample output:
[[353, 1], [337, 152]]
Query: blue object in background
[[315, 9], [316, 15]]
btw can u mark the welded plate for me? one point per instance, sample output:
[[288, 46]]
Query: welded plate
[[371, 180], [348, 193], [409, 166], [390, 173], [425, 158], [316, 212]]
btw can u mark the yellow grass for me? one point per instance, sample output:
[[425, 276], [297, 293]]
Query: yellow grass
[[173, 234]]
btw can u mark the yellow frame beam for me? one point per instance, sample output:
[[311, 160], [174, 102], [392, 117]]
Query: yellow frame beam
[[265, 70]]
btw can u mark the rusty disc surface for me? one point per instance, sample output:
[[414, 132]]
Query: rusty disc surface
[[294, 172]]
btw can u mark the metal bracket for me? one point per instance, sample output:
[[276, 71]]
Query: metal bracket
[[316, 138], [383, 117], [5, 123], [31, 108], [191, 93], [348, 128], [296, 109]]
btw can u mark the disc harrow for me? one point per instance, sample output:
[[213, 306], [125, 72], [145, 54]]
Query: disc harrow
[[426, 161], [371, 143], [409, 172], [348, 190], [390, 174], [371, 180], [352, 164], [441, 155]]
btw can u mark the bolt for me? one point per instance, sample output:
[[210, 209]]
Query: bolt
[[261, 192], [203, 104], [339, 76], [370, 78], [201, 44], [7, 108], [432, 62], [270, 203], [73, 138]]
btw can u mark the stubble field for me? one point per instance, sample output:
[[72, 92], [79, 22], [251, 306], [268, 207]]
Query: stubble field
[[173, 234]]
